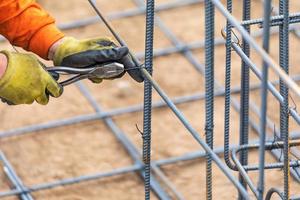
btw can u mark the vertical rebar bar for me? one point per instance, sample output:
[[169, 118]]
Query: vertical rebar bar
[[148, 95], [244, 100], [284, 109], [264, 97], [209, 89], [227, 95]]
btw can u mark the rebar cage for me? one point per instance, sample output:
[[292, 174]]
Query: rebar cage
[[277, 138]]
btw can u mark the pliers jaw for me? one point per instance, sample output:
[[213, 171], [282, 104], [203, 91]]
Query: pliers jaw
[[101, 71], [107, 71]]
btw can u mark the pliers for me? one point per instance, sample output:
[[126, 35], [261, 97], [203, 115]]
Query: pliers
[[101, 71]]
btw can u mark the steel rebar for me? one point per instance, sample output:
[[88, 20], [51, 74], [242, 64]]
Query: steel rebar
[[244, 98], [209, 90], [284, 109], [264, 97], [148, 95]]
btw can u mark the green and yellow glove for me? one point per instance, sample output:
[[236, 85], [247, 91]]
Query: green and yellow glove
[[25, 81], [83, 53]]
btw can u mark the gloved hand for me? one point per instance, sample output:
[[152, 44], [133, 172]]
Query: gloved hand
[[82, 53], [25, 80]]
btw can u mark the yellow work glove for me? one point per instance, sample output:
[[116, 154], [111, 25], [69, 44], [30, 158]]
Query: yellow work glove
[[25, 80], [83, 53]]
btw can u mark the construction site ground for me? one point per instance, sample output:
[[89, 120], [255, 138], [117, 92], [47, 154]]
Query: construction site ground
[[90, 147]]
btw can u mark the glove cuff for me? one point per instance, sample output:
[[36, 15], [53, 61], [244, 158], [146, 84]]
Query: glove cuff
[[63, 49]]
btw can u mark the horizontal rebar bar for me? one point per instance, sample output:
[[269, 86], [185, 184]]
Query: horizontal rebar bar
[[277, 153], [73, 180], [269, 146], [200, 154], [242, 169], [275, 20]]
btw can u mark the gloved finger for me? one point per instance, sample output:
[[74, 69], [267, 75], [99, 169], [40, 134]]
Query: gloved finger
[[130, 67], [96, 80], [43, 99], [91, 57], [106, 43], [54, 89]]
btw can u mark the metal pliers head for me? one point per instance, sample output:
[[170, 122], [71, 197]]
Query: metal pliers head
[[101, 71]]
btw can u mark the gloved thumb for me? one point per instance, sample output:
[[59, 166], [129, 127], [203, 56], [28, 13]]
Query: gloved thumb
[[54, 89], [131, 69]]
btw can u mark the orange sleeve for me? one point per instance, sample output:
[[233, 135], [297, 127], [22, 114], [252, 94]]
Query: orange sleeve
[[25, 24]]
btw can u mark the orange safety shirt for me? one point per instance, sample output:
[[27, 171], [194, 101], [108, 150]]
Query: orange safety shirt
[[25, 24]]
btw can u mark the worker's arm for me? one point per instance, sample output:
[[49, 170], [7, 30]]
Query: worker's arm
[[25, 24]]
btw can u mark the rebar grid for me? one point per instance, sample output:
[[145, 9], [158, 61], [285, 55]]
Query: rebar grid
[[144, 168]]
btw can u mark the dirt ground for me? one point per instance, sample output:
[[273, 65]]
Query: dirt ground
[[90, 147]]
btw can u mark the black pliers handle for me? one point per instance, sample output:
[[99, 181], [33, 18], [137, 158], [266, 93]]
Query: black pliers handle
[[101, 71]]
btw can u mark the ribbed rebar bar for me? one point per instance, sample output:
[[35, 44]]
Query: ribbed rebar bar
[[227, 97], [209, 89], [284, 108], [274, 21], [148, 95], [269, 146], [244, 99]]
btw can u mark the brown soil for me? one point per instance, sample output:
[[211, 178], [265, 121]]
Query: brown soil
[[88, 148]]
